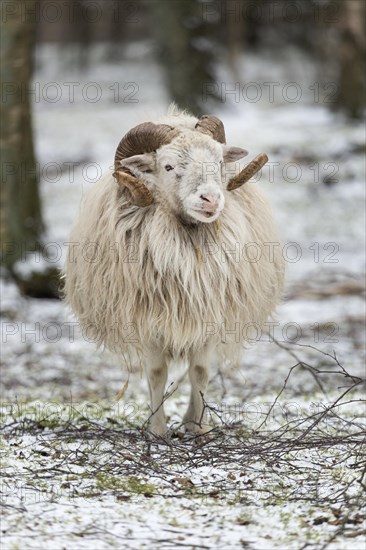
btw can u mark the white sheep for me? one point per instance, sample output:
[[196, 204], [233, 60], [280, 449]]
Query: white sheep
[[170, 263]]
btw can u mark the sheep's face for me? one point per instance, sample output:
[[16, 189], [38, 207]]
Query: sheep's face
[[188, 175]]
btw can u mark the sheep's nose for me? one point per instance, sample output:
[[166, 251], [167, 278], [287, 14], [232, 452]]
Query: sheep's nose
[[211, 199], [210, 202]]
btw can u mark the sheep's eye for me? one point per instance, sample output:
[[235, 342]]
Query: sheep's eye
[[168, 167]]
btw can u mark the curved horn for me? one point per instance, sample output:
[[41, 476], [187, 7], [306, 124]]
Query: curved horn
[[141, 195], [144, 138], [211, 126], [247, 172]]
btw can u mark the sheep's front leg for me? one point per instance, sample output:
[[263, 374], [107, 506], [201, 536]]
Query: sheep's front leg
[[195, 419], [157, 373]]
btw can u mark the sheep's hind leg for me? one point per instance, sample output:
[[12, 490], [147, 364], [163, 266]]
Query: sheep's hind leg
[[195, 419], [157, 373]]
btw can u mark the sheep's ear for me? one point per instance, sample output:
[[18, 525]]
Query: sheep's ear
[[231, 154], [141, 163]]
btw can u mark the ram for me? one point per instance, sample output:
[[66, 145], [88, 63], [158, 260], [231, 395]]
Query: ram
[[185, 257]]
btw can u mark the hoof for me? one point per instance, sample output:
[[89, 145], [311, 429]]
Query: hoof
[[196, 429], [158, 430]]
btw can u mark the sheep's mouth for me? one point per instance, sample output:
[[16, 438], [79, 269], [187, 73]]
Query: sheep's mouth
[[203, 215]]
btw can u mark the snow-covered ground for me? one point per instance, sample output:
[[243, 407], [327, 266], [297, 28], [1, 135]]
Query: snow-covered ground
[[77, 470]]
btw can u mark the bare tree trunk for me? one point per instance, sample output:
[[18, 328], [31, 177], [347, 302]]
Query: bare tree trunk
[[83, 31], [235, 36], [186, 52], [21, 219], [352, 57]]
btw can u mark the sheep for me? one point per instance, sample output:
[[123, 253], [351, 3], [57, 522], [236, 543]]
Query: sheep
[[184, 262]]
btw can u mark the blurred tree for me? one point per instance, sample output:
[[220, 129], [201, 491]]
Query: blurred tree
[[21, 219], [235, 31], [352, 80], [187, 51], [83, 34], [117, 28]]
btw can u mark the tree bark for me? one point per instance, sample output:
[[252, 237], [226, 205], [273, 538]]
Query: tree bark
[[21, 225], [352, 81], [21, 220], [186, 51]]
